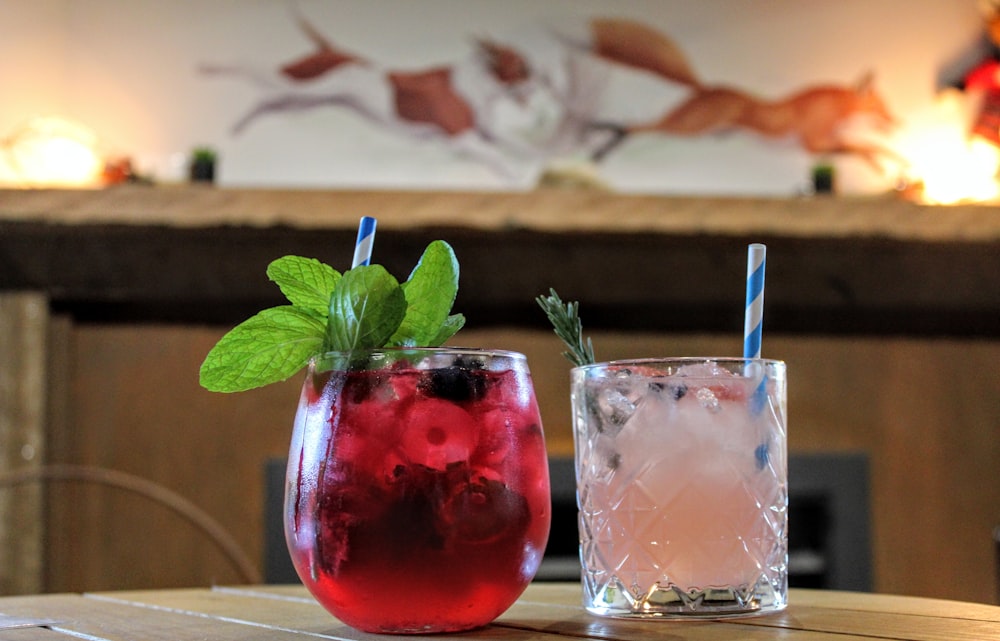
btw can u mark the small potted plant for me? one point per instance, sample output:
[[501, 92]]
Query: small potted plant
[[202, 168]]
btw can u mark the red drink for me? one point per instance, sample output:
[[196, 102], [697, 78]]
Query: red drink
[[417, 490]]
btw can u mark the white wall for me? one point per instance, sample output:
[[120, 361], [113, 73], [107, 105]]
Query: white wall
[[128, 70]]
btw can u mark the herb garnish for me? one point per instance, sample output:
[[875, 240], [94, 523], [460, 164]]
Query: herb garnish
[[363, 308], [565, 319]]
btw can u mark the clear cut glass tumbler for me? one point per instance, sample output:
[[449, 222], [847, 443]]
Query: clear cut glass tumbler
[[417, 490], [682, 480]]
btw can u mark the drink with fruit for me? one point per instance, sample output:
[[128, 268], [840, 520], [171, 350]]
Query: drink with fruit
[[682, 478], [681, 481], [417, 490]]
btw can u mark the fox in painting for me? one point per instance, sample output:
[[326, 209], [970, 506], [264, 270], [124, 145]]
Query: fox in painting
[[469, 104]]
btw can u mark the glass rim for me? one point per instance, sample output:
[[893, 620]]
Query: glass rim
[[680, 360], [457, 350]]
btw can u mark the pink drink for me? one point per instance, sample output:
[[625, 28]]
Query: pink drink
[[683, 486], [417, 489]]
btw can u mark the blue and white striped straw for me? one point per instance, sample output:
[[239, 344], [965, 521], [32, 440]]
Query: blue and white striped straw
[[753, 322], [366, 238], [752, 329]]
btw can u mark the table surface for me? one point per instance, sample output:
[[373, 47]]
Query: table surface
[[546, 612]]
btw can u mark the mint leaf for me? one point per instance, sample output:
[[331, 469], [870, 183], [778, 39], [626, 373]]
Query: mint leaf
[[366, 308], [306, 282], [430, 292], [451, 326], [266, 348]]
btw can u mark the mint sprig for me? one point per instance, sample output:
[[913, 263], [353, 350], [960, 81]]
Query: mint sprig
[[430, 293], [366, 308], [266, 348], [565, 319], [305, 282], [363, 308]]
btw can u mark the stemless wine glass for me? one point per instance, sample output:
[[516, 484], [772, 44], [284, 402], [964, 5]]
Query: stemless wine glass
[[417, 491]]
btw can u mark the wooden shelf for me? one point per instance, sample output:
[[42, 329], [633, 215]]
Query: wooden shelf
[[836, 265], [547, 210]]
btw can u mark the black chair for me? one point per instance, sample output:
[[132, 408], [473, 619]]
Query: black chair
[[561, 561], [277, 563], [829, 523], [145, 488]]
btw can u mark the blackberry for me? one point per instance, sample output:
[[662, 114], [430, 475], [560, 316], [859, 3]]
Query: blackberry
[[484, 511], [457, 383], [359, 386], [677, 392], [762, 455]]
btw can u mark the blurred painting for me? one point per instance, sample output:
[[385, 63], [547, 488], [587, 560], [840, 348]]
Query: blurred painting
[[648, 96], [524, 108]]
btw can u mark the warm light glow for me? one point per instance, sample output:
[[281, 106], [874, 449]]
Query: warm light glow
[[951, 166], [53, 152], [955, 169]]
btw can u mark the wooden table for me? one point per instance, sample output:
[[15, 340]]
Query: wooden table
[[546, 612]]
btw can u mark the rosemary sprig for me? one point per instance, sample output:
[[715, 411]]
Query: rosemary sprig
[[565, 320]]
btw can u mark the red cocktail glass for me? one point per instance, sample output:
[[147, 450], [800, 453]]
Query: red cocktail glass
[[417, 493]]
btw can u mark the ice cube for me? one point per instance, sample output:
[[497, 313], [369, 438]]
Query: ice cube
[[707, 369], [615, 410], [601, 459], [495, 437], [707, 399]]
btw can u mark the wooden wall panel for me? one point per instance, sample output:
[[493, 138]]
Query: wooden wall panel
[[137, 408], [24, 326], [926, 411]]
